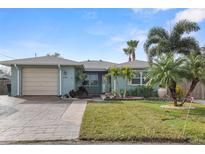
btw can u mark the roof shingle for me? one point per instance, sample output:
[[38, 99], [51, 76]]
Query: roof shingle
[[44, 60], [137, 64], [98, 65]]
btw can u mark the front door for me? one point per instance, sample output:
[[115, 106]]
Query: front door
[[93, 83]]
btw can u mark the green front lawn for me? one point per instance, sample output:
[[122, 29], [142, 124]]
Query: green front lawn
[[141, 121]]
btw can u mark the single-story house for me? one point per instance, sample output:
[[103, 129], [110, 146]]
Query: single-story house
[[50, 75]]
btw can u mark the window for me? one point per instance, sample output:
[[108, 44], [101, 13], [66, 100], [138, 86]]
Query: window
[[136, 79], [139, 79], [91, 80]]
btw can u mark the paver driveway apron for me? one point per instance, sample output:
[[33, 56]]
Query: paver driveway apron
[[29, 120]]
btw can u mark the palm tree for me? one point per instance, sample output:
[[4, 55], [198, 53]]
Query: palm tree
[[166, 71], [202, 50], [115, 73], [127, 74], [128, 52], [161, 41], [195, 71], [132, 45]]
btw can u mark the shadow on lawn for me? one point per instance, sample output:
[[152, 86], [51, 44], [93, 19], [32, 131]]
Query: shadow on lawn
[[200, 111], [143, 139], [108, 102]]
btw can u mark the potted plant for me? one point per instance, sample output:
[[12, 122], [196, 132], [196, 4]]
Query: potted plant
[[162, 92]]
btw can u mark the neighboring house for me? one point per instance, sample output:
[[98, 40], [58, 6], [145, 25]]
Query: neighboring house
[[4, 80], [50, 75]]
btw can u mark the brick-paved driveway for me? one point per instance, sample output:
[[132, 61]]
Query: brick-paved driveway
[[39, 118]]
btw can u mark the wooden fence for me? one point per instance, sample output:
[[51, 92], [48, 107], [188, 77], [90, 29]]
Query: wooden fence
[[199, 91]]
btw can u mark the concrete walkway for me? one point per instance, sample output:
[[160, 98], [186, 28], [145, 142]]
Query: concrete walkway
[[200, 101], [37, 120], [74, 115]]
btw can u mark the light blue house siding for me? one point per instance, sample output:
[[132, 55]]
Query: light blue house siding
[[122, 83], [67, 78], [13, 81]]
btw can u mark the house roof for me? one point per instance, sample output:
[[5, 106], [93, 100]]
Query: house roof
[[137, 64], [97, 65], [44, 60], [89, 65]]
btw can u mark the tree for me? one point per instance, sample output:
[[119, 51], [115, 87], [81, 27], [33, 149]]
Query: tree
[[132, 45], [115, 73], [195, 71], [166, 71], [127, 74], [202, 50], [55, 54], [81, 76], [161, 41], [128, 52]]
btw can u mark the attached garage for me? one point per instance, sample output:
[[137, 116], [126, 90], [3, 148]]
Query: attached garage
[[40, 81], [46, 75]]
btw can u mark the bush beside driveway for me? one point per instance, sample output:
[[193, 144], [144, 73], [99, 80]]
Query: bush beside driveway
[[142, 121]]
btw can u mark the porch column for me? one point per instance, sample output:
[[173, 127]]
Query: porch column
[[18, 80], [60, 78], [141, 81]]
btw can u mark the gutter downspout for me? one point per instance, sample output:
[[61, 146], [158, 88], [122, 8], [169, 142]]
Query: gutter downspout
[[18, 78], [60, 84]]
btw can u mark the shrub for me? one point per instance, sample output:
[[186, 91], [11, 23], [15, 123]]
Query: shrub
[[142, 91], [179, 92]]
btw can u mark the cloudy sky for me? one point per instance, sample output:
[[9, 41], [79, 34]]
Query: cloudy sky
[[82, 34]]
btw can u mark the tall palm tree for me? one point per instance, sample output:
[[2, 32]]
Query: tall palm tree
[[132, 45], [128, 52], [161, 41], [166, 71], [195, 71]]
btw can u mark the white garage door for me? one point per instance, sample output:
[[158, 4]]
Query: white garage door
[[40, 81]]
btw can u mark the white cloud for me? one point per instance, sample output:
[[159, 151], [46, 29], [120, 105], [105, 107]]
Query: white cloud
[[117, 38], [90, 15], [136, 10], [149, 10], [119, 41], [30, 44], [128, 34], [195, 15], [160, 9]]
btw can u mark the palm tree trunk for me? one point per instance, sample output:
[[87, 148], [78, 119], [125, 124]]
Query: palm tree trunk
[[191, 89], [133, 55], [125, 90], [172, 89], [115, 86], [130, 58], [119, 94]]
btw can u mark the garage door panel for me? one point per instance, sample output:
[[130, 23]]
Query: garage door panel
[[37, 89], [39, 70], [37, 79], [37, 84], [47, 75], [40, 81], [39, 93]]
